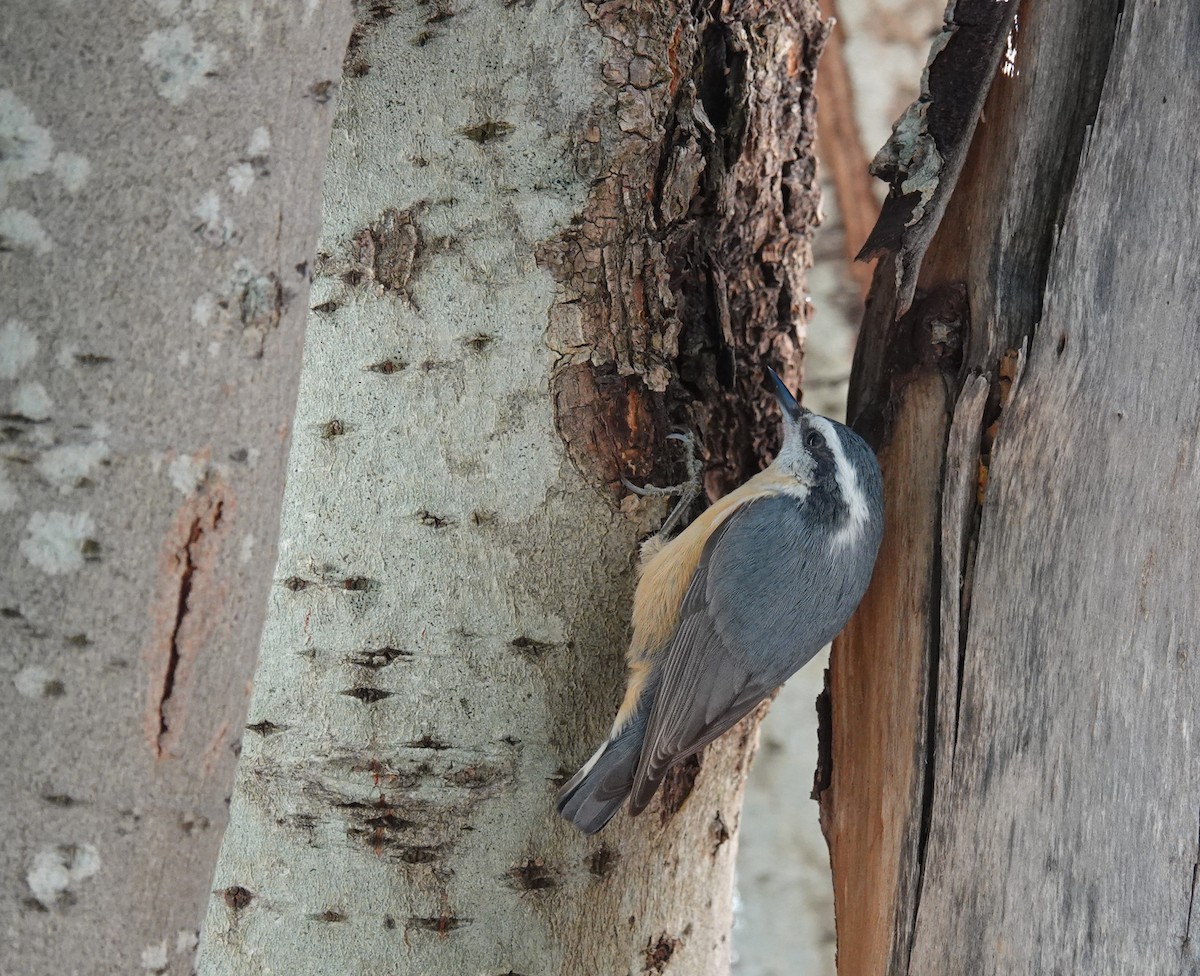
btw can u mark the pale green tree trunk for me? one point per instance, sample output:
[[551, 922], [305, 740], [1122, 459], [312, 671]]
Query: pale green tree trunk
[[537, 217], [159, 191]]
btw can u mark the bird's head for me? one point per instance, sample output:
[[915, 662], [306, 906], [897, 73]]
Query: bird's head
[[828, 458]]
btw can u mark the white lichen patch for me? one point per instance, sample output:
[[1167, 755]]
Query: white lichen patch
[[26, 148], [65, 466], [241, 178], [252, 305], [260, 142], [179, 63], [186, 941], [31, 400], [187, 472], [9, 499], [155, 958], [18, 346], [203, 309], [54, 541], [26, 151], [247, 550], [55, 870], [72, 170], [33, 682], [20, 228], [214, 227], [252, 165]]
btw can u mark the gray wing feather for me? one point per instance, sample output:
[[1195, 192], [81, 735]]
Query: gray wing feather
[[765, 598]]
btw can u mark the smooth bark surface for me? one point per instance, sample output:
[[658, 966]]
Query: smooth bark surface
[[537, 216], [159, 173], [1018, 791]]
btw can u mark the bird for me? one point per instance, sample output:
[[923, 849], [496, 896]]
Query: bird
[[734, 605]]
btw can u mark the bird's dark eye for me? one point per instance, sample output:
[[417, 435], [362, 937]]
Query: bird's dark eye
[[813, 439]]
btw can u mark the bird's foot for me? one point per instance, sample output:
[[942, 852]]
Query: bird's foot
[[688, 491]]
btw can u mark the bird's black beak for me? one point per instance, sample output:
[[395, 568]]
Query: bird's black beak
[[791, 409]]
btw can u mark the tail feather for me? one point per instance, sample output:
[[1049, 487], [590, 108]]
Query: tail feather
[[595, 793]]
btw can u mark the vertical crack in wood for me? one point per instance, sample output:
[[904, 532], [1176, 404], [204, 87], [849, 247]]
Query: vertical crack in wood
[[1185, 948], [960, 511], [906, 925], [188, 567], [953, 549]]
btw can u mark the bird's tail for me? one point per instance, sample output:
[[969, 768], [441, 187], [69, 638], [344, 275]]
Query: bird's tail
[[596, 792]]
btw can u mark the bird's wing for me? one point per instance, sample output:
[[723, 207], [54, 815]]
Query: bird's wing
[[765, 598]]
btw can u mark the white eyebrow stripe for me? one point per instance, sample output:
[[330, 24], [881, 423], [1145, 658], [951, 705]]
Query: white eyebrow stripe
[[852, 495]]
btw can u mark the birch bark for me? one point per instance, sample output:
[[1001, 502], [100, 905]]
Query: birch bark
[[159, 177], [551, 231]]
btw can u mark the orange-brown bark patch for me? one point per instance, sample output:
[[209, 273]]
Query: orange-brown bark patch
[[188, 605]]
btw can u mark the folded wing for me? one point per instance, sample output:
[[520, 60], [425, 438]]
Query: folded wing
[[765, 598]]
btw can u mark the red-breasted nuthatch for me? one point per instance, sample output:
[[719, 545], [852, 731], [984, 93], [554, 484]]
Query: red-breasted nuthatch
[[734, 605]]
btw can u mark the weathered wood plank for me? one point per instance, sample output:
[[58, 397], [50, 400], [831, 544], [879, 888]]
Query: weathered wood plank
[[981, 297], [1064, 835]]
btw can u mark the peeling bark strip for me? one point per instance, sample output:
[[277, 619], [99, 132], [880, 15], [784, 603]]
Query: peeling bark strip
[[992, 760], [685, 272], [929, 142], [186, 609]]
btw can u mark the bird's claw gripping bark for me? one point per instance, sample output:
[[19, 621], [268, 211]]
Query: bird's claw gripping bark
[[688, 491]]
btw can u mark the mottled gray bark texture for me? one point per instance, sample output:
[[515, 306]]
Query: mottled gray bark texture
[[1012, 784], [159, 192], [552, 231]]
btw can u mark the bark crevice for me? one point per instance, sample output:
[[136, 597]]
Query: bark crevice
[[188, 567], [186, 609]]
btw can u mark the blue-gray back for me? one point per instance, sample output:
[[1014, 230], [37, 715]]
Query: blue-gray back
[[771, 590], [775, 591]]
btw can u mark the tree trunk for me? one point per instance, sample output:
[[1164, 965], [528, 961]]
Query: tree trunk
[[159, 172], [551, 232], [1012, 785]]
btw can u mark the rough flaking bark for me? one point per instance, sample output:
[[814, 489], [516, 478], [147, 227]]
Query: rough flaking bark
[[551, 233], [159, 184], [684, 272], [1011, 785]]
